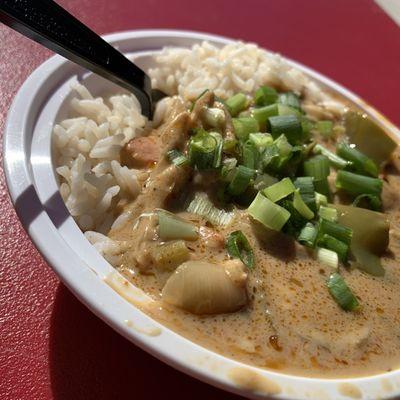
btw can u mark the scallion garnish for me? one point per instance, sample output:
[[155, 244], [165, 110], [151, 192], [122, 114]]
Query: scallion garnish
[[305, 184], [288, 125], [240, 180], [263, 113], [318, 168], [202, 205], [239, 247], [335, 160], [338, 231], [244, 126], [368, 201], [328, 257], [290, 99], [358, 184], [360, 162], [328, 213], [342, 293], [261, 140], [271, 215], [177, 158], [308, 235], [279, 190], [265, 95], [320, 200], [250, 155], [325, 128], [301, 206], [204, 149], [171, 227], [236, 103], [264, 180], [331, 243]]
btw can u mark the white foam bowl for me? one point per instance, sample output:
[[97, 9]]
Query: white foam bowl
[[42, 100]]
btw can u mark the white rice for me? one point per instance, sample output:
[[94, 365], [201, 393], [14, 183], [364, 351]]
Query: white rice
[[87, 146]]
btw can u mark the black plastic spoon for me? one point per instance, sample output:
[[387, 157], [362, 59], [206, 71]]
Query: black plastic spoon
[[50, 25]]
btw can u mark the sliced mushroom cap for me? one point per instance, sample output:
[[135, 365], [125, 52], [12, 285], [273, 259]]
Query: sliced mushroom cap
[[205, 288]]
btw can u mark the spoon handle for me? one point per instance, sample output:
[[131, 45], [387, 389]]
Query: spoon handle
[[50, 25]]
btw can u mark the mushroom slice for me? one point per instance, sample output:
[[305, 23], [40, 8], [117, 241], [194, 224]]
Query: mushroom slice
[[205, 288]]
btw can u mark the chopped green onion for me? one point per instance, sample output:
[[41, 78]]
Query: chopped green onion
[[283, 145], [317, 167], [265, 95], [305, 184], [288, 125], [240, 180], [261, 140], [279, 190], [177, 158], [263, 113], [286, 110], [296, 221], [368, 201], [328, 257], [201, 205], [341, 293], [264, 180], [228, 169], [202, 149], [358, 184], [331, 243], [229, 146], [301, 206], [171, 227], [170, 255], [308, 235], [250, 155], [236, 103], [320, 200], [218, 150], [244, 126], [328, 213], [338, 231], [213, 117], [360, 162], [239, 247], [290, 99], [325, 128], [334, 159], [197, 98], [369, 137], [268, 213]]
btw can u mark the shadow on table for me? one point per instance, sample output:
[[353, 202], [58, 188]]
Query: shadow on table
[[88, 360]]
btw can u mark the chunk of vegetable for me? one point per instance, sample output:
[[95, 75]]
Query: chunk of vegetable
[[358, 184], [342, 293], [240, 180], [169, 255], [279, 190], [171, 227], [205, 288], [265, 95], [335, 160], [244, 126], [239, 247], [308, 235], [288, 125], [301, 206], [236, 103], [328, 257], [177, 158]]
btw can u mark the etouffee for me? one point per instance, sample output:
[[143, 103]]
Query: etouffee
[[268, 230]]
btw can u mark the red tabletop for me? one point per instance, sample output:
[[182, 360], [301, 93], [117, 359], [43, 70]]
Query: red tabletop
[[51, 346]]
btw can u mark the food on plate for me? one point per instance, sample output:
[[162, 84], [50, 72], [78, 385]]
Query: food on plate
[[258, 210]]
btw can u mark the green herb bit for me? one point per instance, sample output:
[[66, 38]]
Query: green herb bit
[[265, 95], [239, 247], [244, 126], [358, 184], [279, 190], [341, 293], [236, 103]]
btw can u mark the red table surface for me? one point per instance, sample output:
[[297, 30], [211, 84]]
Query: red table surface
[[51, 346]]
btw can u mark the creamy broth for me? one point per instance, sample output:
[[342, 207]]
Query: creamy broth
[[290, 322]]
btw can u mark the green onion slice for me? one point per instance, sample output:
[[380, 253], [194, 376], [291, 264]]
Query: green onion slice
[[240, 180], [328, 213], [171, 227], [265, 95], [325, 128], [331, 243], [317, 167], [202, 205], [338, 231], [368, 201], [341, 293], [263, 113], [301, 206], [335, 160], [177, 158], [305, 184], [239, 247], [290, 99], [264, 180], [320, 200], [358, 184], [250, 155], [288, 125], [268, 213], [328, 257], [360, 162], [244, 126], [236, 103], [279, 190], [308, 235]]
